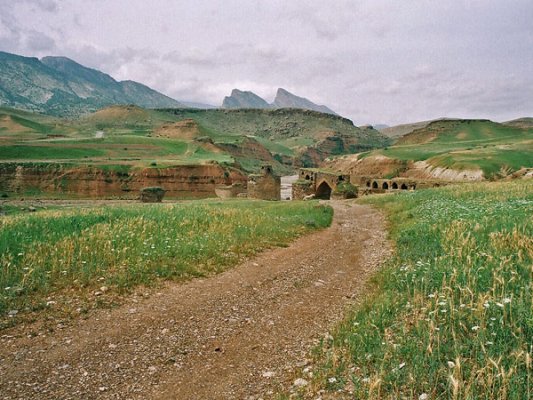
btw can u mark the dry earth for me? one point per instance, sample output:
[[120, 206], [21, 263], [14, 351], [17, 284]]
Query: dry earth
[[244, 334]]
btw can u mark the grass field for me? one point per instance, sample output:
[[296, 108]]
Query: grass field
[[121, 247], [450, 316]]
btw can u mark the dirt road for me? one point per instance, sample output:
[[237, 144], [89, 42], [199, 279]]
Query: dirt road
[[238, 335]]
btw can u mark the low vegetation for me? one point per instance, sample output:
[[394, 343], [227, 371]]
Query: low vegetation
[[451, 314], [120, 247]]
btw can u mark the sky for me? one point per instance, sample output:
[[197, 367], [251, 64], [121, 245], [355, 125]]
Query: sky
[[373, 61]]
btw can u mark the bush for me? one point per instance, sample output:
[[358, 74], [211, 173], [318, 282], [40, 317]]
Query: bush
[[152, 194], [346, 190]]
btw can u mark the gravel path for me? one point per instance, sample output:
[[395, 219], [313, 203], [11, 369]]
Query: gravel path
[[240, 335]]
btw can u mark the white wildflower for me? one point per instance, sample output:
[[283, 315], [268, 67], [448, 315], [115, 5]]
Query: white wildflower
[[475, 328], [451, 364], [507, 300]]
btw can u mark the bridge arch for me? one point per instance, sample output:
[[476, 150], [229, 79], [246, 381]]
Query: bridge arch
[[385, 186], [374, 185], [323, 191], [394, 185], [403, 187]]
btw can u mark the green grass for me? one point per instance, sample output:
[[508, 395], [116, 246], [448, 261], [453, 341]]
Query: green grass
[[491, 160], [451, 314], [44, 253], [24, 152]]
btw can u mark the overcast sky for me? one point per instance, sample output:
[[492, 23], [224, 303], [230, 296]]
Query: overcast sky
[[372, 61]]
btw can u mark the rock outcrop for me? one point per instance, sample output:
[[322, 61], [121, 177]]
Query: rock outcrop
[[285, 99], [240, 99]]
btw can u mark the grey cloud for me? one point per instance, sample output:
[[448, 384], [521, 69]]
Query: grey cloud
[[39, 42], [45, 5], [371, 60]]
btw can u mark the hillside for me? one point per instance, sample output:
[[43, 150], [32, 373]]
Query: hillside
[[397, 131], [62, 87], [450, 150], [131, 136], [520, 123], [294, 137]]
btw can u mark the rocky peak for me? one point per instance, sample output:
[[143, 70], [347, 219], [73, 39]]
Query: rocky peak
[[285, 99], [244, 99]]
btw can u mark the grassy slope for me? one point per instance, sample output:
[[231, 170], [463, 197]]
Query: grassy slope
[[126, 139], [128, 131], [287, 128], [466, 145], [48, 252], [451, 314]]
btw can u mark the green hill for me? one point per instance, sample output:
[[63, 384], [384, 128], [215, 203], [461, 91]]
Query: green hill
[[132, 135], [444, 148]]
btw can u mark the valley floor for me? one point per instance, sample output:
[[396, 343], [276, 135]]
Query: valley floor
[[244, 334]]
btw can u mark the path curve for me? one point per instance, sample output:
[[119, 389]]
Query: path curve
[[238, 335]]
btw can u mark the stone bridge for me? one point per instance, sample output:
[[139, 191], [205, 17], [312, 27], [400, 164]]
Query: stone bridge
[[368, 185], [318, 182], [322, 183]]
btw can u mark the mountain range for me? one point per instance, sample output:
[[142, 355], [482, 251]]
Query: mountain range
[[60, 86], [284, 99]]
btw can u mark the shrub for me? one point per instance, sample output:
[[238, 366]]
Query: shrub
[[153, 194]]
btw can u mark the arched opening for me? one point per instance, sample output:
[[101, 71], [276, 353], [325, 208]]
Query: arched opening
[[385, 186], [307, 177], [413, 187], [394, 185], [323, 191], [403, 187], [374, 185], [368, 184]]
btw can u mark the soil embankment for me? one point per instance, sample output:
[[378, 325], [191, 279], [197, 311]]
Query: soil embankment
[[92, 182], [241, 334]]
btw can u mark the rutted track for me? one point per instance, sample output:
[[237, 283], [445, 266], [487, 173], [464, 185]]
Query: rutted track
[[233, 336]]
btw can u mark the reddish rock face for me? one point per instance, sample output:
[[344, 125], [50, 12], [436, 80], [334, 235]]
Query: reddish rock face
[[90, 182]]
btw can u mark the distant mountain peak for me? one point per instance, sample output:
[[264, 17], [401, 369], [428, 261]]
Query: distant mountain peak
[[244, 99], [285, 99]]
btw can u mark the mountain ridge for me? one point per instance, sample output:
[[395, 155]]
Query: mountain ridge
[[63, 87], [283, 99]]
